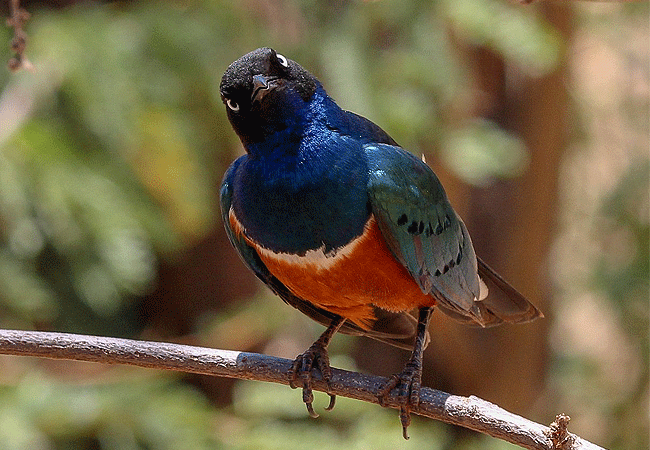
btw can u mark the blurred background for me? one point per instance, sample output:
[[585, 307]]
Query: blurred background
[[112, 148]]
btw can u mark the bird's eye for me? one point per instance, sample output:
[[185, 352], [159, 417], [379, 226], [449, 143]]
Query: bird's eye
[[233, 105], [282, 60]]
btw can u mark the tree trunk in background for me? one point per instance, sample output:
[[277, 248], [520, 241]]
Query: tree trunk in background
[[512, 223]]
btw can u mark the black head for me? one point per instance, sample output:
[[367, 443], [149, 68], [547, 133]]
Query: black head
[[261, 90]]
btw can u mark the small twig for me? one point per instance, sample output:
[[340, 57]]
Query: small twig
[[18, 44], [469, 412], [561, 438]]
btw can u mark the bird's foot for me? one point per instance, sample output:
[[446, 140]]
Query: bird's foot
[[302, 372], [408, 384]]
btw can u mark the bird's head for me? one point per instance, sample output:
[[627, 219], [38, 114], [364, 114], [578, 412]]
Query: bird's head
[[264, 92]]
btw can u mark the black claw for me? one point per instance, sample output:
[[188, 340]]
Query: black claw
[[310, 409], [332, 402], [405, 419]]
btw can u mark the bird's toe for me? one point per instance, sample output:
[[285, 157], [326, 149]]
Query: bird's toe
[[301, 374], [408, 384]]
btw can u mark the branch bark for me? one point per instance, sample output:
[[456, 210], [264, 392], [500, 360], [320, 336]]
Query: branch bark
[[469, 412]]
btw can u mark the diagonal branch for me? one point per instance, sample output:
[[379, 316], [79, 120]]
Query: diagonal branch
[[469, 412]]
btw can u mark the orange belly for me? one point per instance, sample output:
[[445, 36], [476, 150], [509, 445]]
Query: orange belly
[[359, 276]]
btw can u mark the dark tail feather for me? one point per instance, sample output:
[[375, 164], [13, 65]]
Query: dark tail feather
[[503, 301], [502, 304]]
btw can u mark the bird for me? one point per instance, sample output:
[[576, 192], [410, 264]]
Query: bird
[[346, 226]]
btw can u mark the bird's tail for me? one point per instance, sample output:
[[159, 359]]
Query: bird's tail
[[503, 303]]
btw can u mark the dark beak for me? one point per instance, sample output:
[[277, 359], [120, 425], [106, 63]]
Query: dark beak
[[261, 86]]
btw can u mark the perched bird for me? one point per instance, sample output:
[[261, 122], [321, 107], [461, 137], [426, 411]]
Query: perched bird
[[345, 225]]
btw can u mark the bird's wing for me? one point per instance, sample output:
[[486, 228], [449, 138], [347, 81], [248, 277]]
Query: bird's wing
[[397, 329], [426, 235], [368, 131]]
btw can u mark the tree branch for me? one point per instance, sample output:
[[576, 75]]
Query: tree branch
[[16, 20], [469, 412]]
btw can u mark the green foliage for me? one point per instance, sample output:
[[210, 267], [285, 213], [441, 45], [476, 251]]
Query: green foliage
[[512, 31], [133, 413], [111, 168], [625, 281], [413, 78], [275, 423], [481, 151], [626, 233]]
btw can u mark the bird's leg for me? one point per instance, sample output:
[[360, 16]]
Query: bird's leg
[[317, 356], [409, 381]]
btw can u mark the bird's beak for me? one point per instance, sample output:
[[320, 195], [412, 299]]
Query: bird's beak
[[261, 86]]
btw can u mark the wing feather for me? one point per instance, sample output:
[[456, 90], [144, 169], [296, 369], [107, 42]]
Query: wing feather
[[421, 228], [427, 236]]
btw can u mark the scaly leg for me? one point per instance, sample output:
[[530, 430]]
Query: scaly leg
[[317, 356], [409, 381]]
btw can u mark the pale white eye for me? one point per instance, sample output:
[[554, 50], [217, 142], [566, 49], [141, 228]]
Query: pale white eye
[[283, 61], [232, 105]]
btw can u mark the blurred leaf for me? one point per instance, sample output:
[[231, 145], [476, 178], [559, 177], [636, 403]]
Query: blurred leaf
[[23, 293], [155, 413], [510, 30], [481, 151], [278, 420]]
